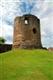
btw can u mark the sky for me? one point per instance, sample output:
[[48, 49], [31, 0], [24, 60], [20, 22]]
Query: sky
[[43, 9]]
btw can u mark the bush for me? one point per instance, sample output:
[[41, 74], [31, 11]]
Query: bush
[[2, 40]]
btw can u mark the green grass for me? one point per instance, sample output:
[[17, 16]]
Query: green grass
[[26, 65]]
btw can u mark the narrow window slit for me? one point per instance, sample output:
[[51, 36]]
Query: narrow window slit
[[34, 30]]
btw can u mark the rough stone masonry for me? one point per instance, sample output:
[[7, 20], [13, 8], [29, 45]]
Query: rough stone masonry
[[27, 32]]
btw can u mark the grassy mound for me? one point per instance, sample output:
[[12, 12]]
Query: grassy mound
[[26, 65]]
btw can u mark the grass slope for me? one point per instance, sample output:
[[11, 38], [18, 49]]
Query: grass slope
[[26, 65]]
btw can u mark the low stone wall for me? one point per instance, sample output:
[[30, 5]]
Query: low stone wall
[[5, 47], [50, 49]]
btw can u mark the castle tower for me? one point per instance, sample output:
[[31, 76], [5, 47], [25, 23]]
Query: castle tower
[[27, 32]]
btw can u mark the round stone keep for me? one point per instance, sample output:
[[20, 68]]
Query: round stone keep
[[27, 32]]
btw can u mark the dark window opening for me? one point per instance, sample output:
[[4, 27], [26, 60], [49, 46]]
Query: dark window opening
[[34, 30], [26, 18]]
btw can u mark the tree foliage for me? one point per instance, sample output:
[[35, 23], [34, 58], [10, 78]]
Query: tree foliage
[[2, 40]]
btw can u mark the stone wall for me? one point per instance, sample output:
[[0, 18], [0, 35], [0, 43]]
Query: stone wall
[[27, 32], [5, 47]]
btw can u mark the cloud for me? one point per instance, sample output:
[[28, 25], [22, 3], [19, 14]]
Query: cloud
[[47, 30], [43, 9], [7, 32], [11, 0]]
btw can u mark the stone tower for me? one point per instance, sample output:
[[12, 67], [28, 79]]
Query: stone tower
[[27, 32]]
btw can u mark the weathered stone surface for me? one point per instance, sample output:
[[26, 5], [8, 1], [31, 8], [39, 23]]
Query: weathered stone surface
[[27, 32]]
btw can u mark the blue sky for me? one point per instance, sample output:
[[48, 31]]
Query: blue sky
[[43, 9]]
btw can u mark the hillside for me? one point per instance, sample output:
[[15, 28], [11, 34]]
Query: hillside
[[26, 65]]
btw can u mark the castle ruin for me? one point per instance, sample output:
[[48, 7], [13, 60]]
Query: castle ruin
[[27, 32]]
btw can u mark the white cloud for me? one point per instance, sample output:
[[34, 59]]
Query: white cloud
[[7, 31], [11, 0], [41, 8], [47, 31]]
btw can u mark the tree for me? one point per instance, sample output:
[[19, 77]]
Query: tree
[[2, 40]]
